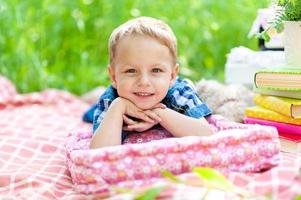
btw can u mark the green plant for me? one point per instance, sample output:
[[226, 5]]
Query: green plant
[[63, 44], [287, 10]]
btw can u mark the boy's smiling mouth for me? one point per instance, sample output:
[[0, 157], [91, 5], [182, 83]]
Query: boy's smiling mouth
[[143, 94]]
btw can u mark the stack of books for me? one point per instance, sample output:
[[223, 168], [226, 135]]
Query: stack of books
[[278, 104]]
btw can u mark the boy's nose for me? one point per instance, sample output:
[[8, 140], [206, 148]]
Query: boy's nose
[[144, 80]]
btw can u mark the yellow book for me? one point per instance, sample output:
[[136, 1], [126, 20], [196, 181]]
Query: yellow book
[[263, 113], [286, 106]]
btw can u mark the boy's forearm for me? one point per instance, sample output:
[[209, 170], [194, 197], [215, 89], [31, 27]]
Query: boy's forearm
[[180, 125], [110, 129]]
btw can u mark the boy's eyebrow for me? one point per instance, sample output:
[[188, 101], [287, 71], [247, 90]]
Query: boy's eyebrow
[[135, 66], [127, 65], [158, 64]]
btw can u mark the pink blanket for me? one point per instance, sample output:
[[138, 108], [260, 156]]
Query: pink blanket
[[33, 129]]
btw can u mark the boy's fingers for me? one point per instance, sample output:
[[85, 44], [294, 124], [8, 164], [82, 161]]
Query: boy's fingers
[[160, 105], [128, 120], [153, 115], [143, 116], [126, 128], [136, 127], [138, 113]]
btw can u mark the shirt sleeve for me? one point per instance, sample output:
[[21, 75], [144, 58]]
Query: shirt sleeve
[[89, 114], [102, 106], [183, 98]]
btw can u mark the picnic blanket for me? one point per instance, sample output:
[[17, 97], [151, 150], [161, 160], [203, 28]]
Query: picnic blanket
[[33, 128]]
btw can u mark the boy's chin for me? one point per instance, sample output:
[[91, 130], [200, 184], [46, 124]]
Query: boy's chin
[[145, 106]]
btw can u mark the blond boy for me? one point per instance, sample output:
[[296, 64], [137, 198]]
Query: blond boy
[[145, 90]]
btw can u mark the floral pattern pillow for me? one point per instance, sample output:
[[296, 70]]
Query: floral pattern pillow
[[234, 147]]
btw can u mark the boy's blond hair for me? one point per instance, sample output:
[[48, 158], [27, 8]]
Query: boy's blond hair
[[148, 26]]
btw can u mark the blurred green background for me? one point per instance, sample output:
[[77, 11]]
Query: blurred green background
[[63, 43]]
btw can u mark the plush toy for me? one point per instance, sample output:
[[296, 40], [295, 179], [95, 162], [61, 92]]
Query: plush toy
[[229, 101]]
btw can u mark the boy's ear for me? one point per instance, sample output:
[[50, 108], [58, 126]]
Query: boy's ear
[[112, 76], [174, 74]]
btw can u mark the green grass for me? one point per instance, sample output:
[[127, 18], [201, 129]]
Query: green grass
[[63, 43]]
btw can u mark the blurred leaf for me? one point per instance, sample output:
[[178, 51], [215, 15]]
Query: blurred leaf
[[151, 193], [214, 178], [263, 35], [170, 176], [122, 190], [298, 197]]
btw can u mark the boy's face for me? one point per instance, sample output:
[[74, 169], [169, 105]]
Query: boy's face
[[143, 70]]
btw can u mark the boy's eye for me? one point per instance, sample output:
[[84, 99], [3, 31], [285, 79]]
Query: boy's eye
[[156, 70], [130, 71]]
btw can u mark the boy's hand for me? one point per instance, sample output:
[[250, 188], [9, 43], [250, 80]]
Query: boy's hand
[[130, 109], [141, 125]]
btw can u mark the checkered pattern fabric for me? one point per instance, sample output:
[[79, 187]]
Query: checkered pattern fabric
[[33, 129]]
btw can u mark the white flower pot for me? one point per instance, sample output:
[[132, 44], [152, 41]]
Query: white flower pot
[[292, 43]]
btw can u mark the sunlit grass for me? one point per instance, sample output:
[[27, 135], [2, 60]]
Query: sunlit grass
[[63, 43]]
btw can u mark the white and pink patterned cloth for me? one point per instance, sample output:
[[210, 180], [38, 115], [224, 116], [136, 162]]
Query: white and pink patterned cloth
[[234, 147], [33, 130]]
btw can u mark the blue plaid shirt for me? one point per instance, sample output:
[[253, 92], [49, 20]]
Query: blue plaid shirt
[[181, 97]]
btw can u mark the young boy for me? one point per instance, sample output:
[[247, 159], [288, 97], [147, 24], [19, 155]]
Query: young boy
[[145, 90]]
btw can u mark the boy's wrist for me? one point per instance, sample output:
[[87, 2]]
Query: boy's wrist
[[159, 111]]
